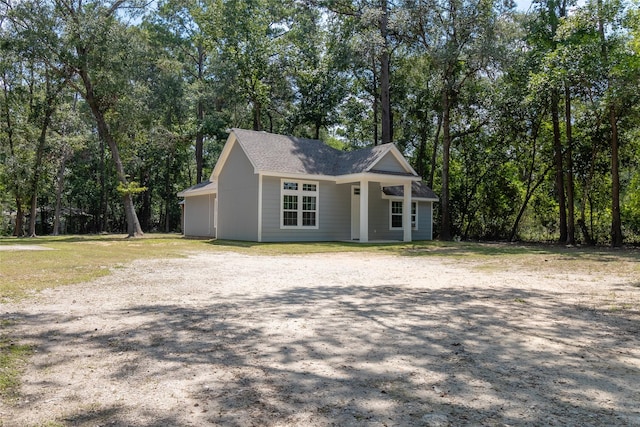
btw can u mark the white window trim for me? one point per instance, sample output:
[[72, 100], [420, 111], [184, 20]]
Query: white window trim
[[399, 199], [300, 193]]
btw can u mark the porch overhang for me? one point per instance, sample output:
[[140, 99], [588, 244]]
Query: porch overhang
[[205, 187], [385, 179]]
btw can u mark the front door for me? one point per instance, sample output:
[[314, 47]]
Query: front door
[[355, 212]]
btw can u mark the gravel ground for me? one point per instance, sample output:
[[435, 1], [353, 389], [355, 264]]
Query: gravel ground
[[333, 339]]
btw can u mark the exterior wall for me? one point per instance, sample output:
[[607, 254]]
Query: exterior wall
[[425, 222], [389, 163], [237, 198], [379, 221], [379, 216], [198, 216], [334, 213]]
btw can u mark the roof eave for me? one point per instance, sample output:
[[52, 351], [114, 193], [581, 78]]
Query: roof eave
[[293, 175], [210, 189], [372, 176]]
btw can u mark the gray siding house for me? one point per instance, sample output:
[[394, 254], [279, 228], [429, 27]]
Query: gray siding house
[[275, 188]]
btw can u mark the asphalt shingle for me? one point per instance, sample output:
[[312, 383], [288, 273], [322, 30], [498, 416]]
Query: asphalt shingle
[[287, 154]]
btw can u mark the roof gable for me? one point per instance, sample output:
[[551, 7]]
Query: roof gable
[[274, 153]]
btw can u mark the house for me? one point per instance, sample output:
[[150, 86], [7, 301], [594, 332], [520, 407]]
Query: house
[[275, 188]]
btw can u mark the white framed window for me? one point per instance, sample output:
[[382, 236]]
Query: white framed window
[[395, 215], [298, 204]]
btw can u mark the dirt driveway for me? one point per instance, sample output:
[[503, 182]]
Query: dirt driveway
[[333, 339]]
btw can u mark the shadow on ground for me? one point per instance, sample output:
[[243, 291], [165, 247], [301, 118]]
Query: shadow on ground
[[358, 355]]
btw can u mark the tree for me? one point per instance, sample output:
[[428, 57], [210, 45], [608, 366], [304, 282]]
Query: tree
[[100, 51], [459, 36], [372, 22], [177, 26]]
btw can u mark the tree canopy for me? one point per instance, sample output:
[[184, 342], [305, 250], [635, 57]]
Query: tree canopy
[[526, 124]]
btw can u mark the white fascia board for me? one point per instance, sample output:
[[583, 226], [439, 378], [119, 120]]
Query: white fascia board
[[226, 151], [300, 176], [224, 155], [211, 188], [418, 199], [388, 180]]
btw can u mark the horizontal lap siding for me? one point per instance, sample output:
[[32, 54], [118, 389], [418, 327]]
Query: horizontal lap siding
[[198, 216], [238, 198], [334, 214], [379, 216], [389, 163], [425, 226], [379, 222]]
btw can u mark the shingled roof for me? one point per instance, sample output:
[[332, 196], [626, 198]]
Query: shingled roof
[[419, 190], [287, 154]]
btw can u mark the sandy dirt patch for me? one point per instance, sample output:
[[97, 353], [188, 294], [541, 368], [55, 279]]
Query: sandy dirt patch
[[334, 339], [24, 248]]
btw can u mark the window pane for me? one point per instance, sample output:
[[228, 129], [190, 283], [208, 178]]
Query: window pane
[[308, 203], [308, 187], [396, 208], [309, 219], [396, 221], [290, 202], [290, 186], [414, 207], [290, 218]]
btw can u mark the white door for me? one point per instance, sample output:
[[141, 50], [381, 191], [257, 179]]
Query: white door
[[355, 212]]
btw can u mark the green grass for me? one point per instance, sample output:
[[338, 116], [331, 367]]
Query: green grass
[[76, 259]]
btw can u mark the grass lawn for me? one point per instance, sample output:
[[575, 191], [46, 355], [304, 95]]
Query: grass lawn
[[75, 259]]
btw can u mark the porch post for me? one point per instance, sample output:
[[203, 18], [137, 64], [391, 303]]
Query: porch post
[[406, 212], [364, 211]]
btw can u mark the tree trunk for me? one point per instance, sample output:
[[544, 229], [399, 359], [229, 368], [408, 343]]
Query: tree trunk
[[59, 188], [18, 231], [376, 107], [616, 222], [257, 112], [445, 223], [385, 90], [167, 191], [200, 119], [37, 167], [102, 216], [421, 158], [133, 225], [434, 153], [316, 132], [559, 181], [571, 227]]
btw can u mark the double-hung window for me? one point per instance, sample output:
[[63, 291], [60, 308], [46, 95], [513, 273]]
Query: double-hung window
[[299, 204], [396, 207]]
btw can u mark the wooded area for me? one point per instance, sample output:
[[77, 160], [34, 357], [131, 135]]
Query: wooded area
[[526, 124]]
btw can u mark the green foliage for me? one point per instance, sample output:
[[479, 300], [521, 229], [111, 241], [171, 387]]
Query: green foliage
[[131, 188], [180, 74]]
